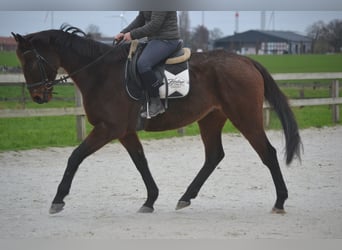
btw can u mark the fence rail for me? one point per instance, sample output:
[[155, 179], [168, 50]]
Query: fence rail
[[78, 111], [13, 113]]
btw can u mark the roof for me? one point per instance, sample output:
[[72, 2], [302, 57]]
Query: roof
[[288, 35], [252, 36], [8, 41]]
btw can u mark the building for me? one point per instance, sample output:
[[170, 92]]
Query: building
[[265, 42], [7, 44]]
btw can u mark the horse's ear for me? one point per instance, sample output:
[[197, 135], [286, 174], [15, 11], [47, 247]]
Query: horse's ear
[[18, 38], [23, 42]]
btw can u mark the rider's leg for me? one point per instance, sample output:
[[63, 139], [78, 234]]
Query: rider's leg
[[154, 53]]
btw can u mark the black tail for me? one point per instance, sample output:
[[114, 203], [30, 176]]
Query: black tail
[[279, 103]]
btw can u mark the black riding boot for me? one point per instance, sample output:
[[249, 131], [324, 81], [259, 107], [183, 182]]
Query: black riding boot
[[154, 106]]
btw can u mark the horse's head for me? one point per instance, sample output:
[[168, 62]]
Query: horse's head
[[39, 63]]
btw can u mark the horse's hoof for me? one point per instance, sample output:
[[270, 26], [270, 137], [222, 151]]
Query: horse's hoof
[[278, 211], [56, 208], [145, 209], [182, 204]]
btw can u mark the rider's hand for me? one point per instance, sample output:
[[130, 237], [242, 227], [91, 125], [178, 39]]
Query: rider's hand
[[127, 36], [119, 37]]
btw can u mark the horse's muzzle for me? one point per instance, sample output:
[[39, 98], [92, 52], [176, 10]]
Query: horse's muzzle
[[39, 100], [41, 97]]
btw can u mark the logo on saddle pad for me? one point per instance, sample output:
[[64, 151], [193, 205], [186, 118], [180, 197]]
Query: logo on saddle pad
[[176, 83], [174, 74]]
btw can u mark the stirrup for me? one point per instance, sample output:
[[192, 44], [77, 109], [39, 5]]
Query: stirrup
[[147, 113]]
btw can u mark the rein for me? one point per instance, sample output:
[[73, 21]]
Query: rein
[[49, 84]]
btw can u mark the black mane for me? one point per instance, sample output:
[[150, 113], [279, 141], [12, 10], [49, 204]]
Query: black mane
[[69, 37], [73, 30]]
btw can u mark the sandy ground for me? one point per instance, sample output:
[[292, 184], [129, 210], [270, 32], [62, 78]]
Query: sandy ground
[[234, 203]]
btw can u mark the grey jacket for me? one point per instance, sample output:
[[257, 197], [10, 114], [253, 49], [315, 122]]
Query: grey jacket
[[161, 25]]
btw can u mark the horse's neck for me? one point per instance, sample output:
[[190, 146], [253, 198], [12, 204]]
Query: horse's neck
[[69, 61], [84, 70]]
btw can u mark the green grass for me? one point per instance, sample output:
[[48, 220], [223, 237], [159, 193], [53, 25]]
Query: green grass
[[300, 63], [307, 117], [39, 132], [9, 58]]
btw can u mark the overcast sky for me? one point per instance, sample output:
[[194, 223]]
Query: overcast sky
[[111, 22]]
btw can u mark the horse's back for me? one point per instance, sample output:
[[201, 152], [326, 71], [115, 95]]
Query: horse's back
[[219, 80], [227, 74]]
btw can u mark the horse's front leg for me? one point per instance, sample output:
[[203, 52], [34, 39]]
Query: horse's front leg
[[98, 137], [133, 146]]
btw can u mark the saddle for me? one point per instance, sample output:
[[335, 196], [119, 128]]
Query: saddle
[[173, 73]]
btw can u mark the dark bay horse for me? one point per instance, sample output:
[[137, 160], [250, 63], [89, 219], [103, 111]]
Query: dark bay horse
[[223, 86]]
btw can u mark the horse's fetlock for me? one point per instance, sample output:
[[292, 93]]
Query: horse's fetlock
[[153, 195]]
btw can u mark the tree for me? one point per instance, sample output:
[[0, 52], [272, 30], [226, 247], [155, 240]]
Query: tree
[[326, 37], [334, 34], [184, 28], [200, 38], [317, 33], [93, 31], [215, 34]]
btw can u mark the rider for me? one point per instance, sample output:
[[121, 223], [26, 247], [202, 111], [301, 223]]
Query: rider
[[161, 29]]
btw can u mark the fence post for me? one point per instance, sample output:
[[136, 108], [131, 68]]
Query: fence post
[[335, 107], [80, 119], [181, 131], [23, 99]]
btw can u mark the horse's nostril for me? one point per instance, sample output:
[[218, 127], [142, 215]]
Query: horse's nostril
[[38, 99]]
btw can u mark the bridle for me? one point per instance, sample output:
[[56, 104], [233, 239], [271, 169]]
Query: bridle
[[48, 84], [45, 82]]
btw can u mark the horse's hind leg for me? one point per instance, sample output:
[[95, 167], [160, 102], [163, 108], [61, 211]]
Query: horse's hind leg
[[135, 150], [253, 130], [211, 129], [268, 155]]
